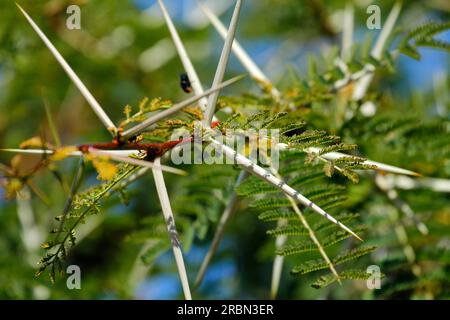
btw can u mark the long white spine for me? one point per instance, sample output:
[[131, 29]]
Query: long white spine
[[170, 222], [72, 75], [270, 178]]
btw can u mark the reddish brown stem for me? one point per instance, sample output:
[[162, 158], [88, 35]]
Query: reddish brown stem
[[153, 150]]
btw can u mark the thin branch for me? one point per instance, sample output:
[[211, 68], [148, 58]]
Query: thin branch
[[187, 64], [170, 221], [278, 262], [218, 235], [72, 75], [132, 178], [312, 235], [166, 113], [95, 200], [258, 171], [222, 65], [76, 183]]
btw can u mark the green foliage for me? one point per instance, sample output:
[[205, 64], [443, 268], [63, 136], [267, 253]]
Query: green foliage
[[202, 197], [423, 36], [351, 274], [314, 265], [82, 206]]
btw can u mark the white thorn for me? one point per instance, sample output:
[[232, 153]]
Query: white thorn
[[222, 65], [363, 84], [255, 169], [170, 222], [187, 64], [72, 75], [347, 34], [248, 63], [379, 166], [117, 155]]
